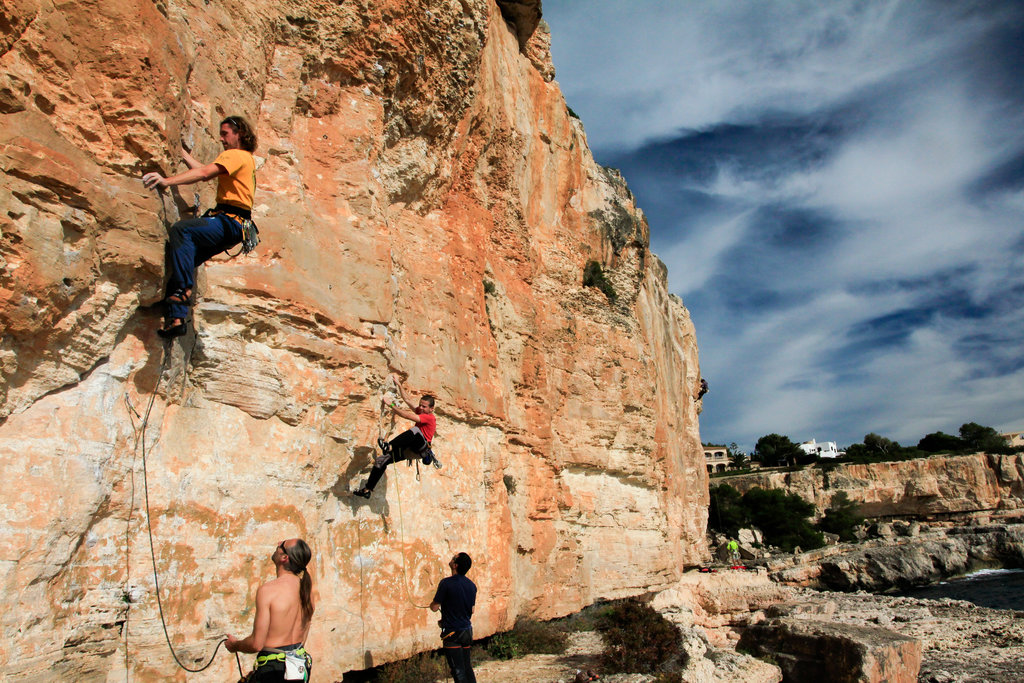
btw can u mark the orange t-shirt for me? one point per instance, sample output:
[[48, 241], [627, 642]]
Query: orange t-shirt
[[238, 186]]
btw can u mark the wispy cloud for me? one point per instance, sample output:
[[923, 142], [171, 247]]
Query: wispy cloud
[[838, 191]]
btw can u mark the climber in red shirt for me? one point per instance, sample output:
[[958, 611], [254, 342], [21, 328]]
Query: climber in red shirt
[[413, 442]]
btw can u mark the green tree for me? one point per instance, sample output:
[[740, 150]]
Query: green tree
[[939, 441], [726, 513], [807, 458], [980, 438], [737, 458], [776, 449], [782, 518], [879, 445], [877, 448], [842, 517]]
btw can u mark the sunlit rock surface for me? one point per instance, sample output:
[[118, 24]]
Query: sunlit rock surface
[[427, 206], [935, 486]]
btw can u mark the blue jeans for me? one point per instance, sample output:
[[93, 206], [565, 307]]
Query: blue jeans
[[456, 651], [191, 243]]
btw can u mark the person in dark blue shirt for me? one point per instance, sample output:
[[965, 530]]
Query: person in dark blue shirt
[[455, 597]]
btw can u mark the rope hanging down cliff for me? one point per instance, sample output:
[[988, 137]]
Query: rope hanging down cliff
[[140, 439], [389, 397]]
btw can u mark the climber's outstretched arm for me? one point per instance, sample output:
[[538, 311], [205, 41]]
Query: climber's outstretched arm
[[405, 397], [193, 175]]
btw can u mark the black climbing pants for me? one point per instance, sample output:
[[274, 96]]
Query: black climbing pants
[[456, 651], [405, 445]]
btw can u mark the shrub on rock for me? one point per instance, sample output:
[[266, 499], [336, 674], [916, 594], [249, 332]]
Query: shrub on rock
[[637, 638]]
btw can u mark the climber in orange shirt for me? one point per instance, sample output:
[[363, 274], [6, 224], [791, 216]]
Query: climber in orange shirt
[[193, 241]]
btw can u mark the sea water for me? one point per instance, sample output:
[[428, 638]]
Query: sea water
[[996, 588]]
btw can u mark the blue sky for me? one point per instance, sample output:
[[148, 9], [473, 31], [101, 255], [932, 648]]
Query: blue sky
[[838, 191]]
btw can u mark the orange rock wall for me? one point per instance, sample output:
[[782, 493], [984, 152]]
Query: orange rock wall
[[427, 206]]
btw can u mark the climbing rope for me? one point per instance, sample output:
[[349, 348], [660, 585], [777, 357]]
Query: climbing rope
[[389, 398], [401, 531], [140, 439], [139, 432], [362, 591]]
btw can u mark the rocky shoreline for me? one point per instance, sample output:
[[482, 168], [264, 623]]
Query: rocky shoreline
[[960, 642], [843, 585], [904, 555], [816, 635], [822, 615], [828, 614]]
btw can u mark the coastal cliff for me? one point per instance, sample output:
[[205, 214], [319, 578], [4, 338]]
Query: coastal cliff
[[938, 486], [950, 515], [427, 206]]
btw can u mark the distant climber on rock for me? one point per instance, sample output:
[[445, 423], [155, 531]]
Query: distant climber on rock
[[412, 443], [703, 389], [193, 241], [284, 610], [734, 550]]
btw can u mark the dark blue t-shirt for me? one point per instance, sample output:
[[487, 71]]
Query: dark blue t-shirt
[[457, 596]]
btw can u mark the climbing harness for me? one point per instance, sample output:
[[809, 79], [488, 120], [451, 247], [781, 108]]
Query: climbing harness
[[140, 438], [296, 662], [250, 233]]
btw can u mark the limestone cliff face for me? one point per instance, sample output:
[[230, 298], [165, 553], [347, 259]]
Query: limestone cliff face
[[427, 206], [940, 485]]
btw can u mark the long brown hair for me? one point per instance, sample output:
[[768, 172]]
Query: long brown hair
[[246, 135], [299, 555]]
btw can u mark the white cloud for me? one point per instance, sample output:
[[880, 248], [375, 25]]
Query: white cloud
[[694, 260], [914, 132], [642, 71]]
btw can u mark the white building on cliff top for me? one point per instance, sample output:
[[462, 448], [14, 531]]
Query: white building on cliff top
[[825, 449], [1014, 438]]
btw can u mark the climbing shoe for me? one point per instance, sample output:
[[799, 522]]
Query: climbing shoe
[[173, 331], [363, 492], [179, 296], [385, 447]]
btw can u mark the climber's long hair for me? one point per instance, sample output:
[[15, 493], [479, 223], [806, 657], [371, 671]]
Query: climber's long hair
[[299, 555], [246, 135]]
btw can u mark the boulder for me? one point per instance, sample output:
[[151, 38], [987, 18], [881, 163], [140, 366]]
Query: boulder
[[901, 528], [882, 529], [811, 650], [748, 552], [749, 536]]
